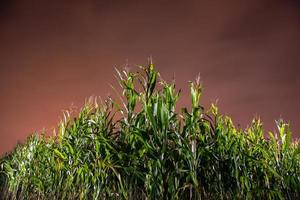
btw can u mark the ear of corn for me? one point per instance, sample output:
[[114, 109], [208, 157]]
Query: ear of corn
[[153, 152]]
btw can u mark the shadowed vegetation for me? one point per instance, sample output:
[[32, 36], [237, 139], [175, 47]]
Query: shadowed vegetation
[[140, 147]]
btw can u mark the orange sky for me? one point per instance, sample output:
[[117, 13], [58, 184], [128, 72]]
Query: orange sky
[[57, 53]]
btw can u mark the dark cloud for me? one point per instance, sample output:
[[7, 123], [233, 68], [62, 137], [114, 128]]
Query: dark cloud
[[55, 53]]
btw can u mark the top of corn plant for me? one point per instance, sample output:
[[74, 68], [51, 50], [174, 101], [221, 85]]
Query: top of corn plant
[[142, 148]]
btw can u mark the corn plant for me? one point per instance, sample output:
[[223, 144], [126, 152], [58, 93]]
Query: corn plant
[[142, 146]]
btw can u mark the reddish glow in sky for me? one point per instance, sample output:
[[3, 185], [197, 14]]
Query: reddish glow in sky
[[55, 53]]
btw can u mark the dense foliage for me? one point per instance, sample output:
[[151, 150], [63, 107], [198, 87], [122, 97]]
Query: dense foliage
[[143, 148]]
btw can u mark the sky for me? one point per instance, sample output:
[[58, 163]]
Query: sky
[[56, 53]]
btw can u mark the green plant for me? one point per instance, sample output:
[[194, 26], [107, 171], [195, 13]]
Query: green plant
[[142, 148]]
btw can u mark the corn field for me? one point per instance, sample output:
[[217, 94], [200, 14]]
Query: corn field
[[142, 146]]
